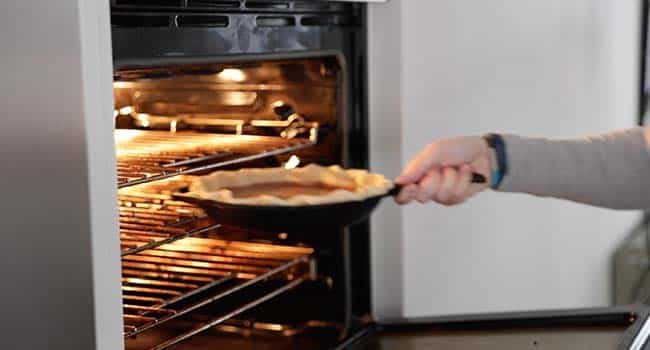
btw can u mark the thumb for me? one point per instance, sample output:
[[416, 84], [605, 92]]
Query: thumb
[[419, 165]]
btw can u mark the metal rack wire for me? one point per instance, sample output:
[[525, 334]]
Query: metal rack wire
[[145, 156], [151, 220], [154, 280], [167, 273], [220, 319]]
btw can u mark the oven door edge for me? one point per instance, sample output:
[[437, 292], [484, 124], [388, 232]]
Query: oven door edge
[[635, 319]]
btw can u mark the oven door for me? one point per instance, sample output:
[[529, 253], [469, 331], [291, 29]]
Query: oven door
[[593, 329]]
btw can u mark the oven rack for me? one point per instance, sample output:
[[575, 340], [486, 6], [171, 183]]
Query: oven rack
[[167, 273], [195, 272], [149, 220], [145, 155], [237, 311]]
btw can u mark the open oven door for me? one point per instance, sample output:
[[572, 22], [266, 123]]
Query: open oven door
[[592, 329]]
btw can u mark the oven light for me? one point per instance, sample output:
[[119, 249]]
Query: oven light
[[274, 327], [238, 98], [126, 110], [172, 125], [232, 74], [292, 162], [121, 84], [125, 135], [143, 118]]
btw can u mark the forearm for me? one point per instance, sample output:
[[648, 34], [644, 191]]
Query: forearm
[[611, 170]]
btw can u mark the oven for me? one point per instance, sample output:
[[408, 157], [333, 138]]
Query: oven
[[211, 85], [200, 86]]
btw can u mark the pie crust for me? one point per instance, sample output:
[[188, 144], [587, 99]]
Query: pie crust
[[322, 185]]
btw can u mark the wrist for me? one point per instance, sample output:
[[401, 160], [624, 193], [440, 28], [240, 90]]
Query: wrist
[[497, 158], [492, 164]]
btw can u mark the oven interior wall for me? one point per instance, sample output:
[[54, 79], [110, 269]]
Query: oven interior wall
[[234, 98]]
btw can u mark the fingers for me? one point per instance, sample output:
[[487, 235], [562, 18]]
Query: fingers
[[419, 165], [407, 194], [442, 171], [445, 186], [445, 152], [464, 183], [428, 186]]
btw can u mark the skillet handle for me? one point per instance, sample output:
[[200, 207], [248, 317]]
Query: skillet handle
[[476, 179], [394, 191]]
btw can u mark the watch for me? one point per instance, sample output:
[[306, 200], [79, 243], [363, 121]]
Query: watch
[[499, 168]]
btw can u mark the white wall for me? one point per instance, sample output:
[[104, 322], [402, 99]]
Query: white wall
[[385, 109], [533, 67]]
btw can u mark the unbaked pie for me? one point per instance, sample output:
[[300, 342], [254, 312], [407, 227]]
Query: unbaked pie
[[311, 185]]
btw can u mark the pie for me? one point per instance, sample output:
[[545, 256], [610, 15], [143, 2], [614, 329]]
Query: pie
[[311, 185]]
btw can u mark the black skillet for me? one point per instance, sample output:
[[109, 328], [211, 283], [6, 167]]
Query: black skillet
[[293, 218]]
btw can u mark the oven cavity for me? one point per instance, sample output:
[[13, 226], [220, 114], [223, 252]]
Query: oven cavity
[[186, 276]]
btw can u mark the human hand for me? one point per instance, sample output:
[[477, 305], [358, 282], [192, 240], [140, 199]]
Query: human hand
[[442, 171]]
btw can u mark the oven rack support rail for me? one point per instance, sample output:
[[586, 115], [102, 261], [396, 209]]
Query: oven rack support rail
[[144, 155]]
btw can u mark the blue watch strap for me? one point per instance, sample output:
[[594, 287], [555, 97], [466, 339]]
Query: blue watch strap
[[495, 141], [495, 178]]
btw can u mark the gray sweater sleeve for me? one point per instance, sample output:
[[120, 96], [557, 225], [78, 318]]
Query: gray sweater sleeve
[[611, 170]]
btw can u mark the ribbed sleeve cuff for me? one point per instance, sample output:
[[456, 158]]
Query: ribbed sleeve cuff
[[521, 174]]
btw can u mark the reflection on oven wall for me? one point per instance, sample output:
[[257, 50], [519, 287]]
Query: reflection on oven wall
[[290, 98], [235, 92], [551, 68]]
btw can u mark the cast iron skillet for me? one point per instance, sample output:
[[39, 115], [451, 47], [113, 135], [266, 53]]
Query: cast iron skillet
[[293, 218]]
